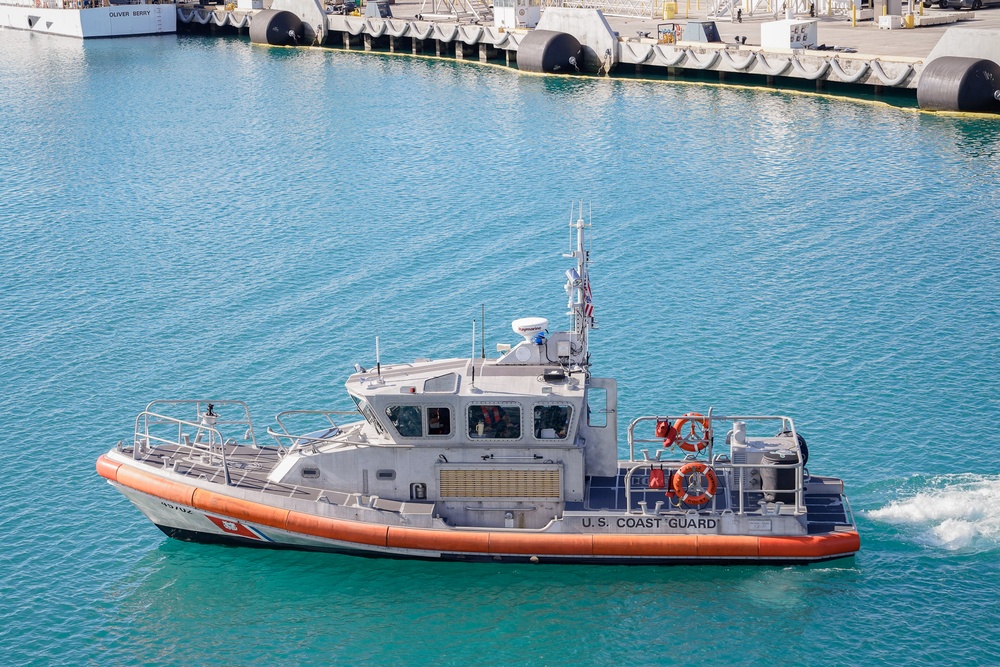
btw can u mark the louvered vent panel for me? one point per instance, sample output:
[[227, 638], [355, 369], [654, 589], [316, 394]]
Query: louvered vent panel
[[501, 483]]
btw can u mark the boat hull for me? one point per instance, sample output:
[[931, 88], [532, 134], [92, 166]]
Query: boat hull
[[192, 513], [112, 21]]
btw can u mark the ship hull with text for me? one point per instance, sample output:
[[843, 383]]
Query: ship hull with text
[[88, 20], [513, 458]]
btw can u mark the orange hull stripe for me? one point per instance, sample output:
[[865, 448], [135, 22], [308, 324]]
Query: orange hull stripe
[[679, 546], [528, 544], [533, 544], [240, 509], [335, 529], [181, 494], [811, 546], [107, 468], [738, 546], [438, 540]]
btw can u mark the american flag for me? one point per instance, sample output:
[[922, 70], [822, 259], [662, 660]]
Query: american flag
[[588, 299]]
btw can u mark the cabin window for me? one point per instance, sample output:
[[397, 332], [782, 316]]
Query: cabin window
[[438, 421], [407, 420], [441, 384], [552, 421], [368, 413], [597, 407], [494, 421]]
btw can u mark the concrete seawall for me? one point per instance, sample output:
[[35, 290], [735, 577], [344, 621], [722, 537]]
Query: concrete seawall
[[606, 52]]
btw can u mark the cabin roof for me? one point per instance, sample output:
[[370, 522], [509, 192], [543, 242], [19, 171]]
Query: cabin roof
[[455, 377]]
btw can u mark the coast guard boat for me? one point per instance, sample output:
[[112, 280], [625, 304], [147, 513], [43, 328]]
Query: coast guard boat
[[510, 459], [90, 18]]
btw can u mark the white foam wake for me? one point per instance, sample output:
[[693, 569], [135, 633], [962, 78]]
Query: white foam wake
[[957, 512]]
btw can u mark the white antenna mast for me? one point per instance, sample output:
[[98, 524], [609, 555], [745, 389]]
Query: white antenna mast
[[578, 289]]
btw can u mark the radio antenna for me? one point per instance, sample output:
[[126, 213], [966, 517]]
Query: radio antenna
[[378, 361], [473, 358], [482, 332]]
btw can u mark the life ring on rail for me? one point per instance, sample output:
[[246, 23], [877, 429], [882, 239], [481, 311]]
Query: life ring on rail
[[680, 483], [693, 442]]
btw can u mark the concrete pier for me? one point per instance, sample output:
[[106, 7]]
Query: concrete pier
[[857, 57]]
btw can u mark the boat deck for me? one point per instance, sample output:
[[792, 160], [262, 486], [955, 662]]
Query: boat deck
[[250, 466], [825, 512]]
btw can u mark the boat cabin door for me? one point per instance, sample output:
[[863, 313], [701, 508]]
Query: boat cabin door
[[599, 427]]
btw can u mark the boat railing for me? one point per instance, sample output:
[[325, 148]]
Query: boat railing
[[312, 439], [241, 420], [735, 473], [154, 428], [207, 440]]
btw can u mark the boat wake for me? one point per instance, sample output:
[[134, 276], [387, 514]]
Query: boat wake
[[954, 512]]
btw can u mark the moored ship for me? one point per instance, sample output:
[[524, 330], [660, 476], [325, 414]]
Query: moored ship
[[512, 459], [89, 18]]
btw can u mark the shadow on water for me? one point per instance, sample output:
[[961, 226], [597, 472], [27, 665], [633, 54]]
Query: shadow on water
[[352, 607]]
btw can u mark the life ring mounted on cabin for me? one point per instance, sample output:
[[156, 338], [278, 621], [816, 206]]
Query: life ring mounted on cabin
[[688, 475], [694, 441]]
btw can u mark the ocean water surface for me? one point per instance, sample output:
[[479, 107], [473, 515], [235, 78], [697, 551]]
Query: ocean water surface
[[188, 217]]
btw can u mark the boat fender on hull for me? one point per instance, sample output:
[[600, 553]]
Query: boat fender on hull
[[357, 535], [549, 51], [276, 28], [951, 83]]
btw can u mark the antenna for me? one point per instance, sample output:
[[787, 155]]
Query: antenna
[[572, 210], [473, 358], [482, 332], [378, 363]]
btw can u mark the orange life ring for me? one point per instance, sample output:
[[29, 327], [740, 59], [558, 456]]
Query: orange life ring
[[680, 483], [692, 443]]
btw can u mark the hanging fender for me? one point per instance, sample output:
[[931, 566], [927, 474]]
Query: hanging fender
[[680, 483]]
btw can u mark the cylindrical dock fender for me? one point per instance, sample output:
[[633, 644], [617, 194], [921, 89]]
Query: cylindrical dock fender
[[951, 83], [549, 51], [276, 27]]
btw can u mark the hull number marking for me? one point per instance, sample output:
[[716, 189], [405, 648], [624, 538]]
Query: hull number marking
[[175, 507]]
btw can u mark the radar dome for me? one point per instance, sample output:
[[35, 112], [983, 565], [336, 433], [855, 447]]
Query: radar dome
[[529, 327]]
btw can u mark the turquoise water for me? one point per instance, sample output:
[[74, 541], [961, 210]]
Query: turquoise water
[[192, 217]]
